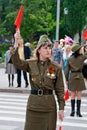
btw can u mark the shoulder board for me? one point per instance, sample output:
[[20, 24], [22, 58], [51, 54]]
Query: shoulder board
[[55, 64], [31, 60]]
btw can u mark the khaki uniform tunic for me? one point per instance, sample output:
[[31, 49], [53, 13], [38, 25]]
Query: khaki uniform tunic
[[41, 110], [76, 79]]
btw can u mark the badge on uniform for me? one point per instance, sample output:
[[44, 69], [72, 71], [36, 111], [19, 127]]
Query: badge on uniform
[[34, 79], [51, 72]]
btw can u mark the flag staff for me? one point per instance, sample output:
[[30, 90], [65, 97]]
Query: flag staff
[[57, 19]]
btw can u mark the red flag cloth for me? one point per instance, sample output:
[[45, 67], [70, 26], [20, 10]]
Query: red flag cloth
[[66, 97], [85, 35], [60, 125], [17, 22]]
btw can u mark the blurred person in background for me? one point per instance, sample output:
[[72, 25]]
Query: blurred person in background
[[66, 54], [57, 53], [24, 54], [84, 70], [0, 56], [76, 80], [9, 67], [28, 44]]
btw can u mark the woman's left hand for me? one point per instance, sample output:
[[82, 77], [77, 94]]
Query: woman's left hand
[[61, 115]]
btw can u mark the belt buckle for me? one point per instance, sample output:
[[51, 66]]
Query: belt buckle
[[40, 92]]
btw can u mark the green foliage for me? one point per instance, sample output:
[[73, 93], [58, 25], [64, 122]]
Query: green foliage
[[76, 18], [33, 45], [39, 17], [3, 48]]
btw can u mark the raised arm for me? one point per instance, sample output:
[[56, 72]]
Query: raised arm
[[18, 63]]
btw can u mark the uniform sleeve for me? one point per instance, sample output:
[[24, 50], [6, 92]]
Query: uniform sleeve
[[59, 89], [85, 55], [18, 63]]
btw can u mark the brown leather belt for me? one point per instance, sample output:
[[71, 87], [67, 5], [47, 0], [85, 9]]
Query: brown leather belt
[[76, 71], [41, 92]]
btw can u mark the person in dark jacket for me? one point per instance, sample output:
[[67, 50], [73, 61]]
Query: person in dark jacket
[[0, 56], [76, 83], [24, 53], [45, 77]]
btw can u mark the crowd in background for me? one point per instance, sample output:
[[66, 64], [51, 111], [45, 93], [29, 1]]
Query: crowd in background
[[69, 56], [61, 52], [24, 53]]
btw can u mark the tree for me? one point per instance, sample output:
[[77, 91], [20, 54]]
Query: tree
[[8, 16], [76, 18], [39, 18]]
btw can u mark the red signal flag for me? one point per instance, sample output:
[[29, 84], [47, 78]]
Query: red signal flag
[[17, 22], [60, 127], [85, 34], [66, 97]]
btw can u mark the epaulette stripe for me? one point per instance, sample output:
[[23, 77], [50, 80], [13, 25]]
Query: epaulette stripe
[[54, 63], [32, 60]]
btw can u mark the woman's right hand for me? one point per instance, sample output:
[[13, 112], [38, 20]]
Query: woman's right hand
[[17, 37], [17, 34]]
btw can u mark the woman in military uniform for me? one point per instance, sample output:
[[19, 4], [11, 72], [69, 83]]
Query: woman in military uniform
[[76, 83], [45, 76]]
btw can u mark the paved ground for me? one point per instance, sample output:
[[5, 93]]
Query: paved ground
[[12, 110], [13, 113], [4, 84]]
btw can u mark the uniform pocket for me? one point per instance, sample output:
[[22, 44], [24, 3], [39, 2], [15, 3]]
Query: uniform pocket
[[49, 81], [35, 78]]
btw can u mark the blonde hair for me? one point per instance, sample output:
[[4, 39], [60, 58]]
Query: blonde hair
[[67, 46]]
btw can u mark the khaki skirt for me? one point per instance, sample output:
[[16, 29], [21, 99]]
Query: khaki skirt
[[40, 120]]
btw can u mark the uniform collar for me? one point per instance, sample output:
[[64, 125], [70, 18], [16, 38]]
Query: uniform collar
[[44, 62]]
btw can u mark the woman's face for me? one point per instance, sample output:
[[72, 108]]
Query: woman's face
[[56, 44], [11, 48], [45, 52], [68, 49]]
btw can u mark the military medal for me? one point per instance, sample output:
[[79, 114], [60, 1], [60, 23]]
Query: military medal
[[51, 72]]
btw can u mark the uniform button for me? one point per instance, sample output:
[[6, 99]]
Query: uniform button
[[42, 63], [41, 74]]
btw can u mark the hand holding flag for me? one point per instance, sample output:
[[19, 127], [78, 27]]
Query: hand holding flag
[[61, 116], [17, 37]]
